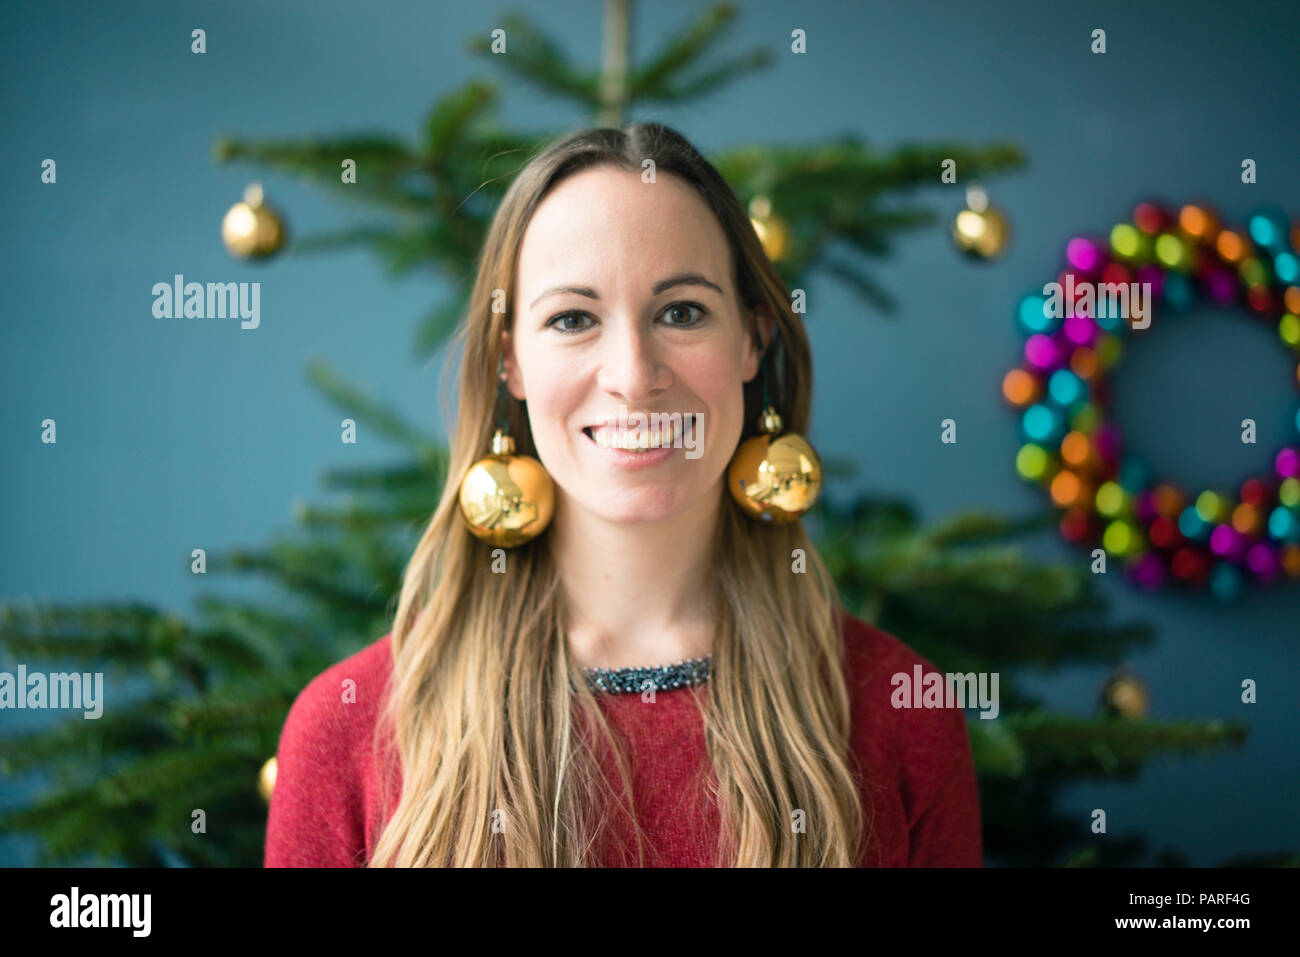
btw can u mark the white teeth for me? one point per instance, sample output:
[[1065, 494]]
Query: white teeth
[[608, 438]]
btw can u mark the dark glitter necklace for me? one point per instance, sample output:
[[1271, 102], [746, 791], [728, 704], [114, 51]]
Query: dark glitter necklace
[[683, 674]]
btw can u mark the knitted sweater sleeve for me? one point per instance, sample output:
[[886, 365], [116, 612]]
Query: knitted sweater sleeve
[[945, 831], [923, 754], [317, 814]]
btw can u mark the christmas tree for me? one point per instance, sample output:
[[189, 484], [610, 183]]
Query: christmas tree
[[219, 684]]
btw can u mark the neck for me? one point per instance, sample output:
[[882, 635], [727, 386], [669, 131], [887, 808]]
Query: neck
[[636, 595]]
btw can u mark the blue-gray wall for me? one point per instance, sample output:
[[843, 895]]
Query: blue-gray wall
[[173, 433]]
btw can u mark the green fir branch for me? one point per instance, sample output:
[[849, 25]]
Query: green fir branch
[[537, 60]]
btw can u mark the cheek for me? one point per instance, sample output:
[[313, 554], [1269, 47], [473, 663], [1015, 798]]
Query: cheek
[[716, 384], [554, 399], [717, 380]]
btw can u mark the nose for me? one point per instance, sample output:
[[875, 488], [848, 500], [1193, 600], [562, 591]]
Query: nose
[[632, 367]]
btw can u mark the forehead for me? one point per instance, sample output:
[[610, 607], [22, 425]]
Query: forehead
[[606, 228]]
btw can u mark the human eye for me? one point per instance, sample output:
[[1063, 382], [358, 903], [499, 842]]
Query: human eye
[[566, 315], [687, 305]]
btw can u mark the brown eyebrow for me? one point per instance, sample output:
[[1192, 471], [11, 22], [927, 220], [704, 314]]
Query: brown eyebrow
[[681, 279]]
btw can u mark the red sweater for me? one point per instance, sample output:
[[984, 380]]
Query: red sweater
[[920, 778]]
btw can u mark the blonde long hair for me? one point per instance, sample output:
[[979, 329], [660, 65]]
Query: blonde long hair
[[485, 710]]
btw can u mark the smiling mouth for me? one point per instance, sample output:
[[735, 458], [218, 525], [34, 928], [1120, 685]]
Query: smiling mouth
[[642, 441]]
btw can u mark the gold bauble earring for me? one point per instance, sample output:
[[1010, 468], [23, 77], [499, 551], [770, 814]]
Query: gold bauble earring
[[506, 499], [775, 478]]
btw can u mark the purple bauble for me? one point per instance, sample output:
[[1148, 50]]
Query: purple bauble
[[1085, 255], [1262, 561], [1221, 286], [1228, 543], [1287, 463], [1041, 352], [1152, 274], [1148, 572], [1107, 442], [1080, 330]]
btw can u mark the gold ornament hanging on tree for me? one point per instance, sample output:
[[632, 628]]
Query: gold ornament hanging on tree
[[775, 478], [252, 229], [772, 230], [980, 231], [266, 780], [1125, 695]]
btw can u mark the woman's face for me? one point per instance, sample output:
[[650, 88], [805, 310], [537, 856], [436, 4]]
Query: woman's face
[[624, 305]]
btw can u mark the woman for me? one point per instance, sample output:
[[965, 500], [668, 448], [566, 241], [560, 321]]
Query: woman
[[480, 732]]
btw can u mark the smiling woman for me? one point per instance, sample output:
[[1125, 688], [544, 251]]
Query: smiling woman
[[475, 733]]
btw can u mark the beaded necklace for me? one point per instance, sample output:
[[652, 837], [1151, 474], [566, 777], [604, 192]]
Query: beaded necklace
[[683, 674]]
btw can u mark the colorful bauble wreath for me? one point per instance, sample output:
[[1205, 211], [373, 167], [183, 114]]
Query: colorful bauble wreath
[[1163, 534]]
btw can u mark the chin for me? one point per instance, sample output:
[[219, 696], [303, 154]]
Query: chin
[[644, 506]]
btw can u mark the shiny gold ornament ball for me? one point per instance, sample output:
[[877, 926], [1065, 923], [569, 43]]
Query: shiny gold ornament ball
[[775, 478], [251, 229], [981, 231], [772, 230], [507, 499], [266, 780], [1126, 696]]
